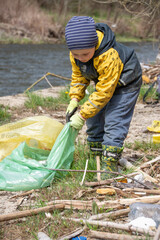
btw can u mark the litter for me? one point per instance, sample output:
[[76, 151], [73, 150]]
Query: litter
[[23, 169], [39, 132]]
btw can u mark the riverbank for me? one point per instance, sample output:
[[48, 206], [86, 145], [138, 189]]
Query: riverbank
[[45, 21]]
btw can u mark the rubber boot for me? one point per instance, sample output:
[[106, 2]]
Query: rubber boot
[[95, 149], [109, 162]]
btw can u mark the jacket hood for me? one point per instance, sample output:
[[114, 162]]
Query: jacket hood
[[108, 39]]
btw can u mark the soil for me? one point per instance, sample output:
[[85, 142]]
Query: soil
[[143, 116]]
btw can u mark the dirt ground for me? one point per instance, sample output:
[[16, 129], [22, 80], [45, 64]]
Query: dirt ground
[[143, 116]]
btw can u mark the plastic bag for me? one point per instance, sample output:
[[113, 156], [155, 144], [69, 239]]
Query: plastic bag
[[155, 128], [39, 131], [27, 168]]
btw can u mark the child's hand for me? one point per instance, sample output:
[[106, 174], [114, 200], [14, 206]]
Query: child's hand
[[77, 121], [72, 105]]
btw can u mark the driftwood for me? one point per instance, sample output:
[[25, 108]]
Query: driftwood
[[31, 212], [123, 162], [113, 236], [74, 204], [128, 201], [121, 226], [23, 194], [109, 181], [147, 191], [147, 164], [157, 235], [113, 215], [78, 204]]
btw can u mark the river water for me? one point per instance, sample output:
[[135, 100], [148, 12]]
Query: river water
[[22, 65]]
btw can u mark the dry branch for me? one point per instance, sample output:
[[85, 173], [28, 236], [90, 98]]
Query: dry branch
[[128, 201], [115, 214], [147, 164], [72, 234], [157, 235], [74, 204], [121, 226], [147, 191], [113, 236], [23, 194], [123, 162], [31, 212]]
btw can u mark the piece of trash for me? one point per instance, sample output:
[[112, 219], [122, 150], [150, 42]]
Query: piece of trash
[[143, 222], [43, 236], [147, 210], [107, 191], [146, 79], [79, 238]]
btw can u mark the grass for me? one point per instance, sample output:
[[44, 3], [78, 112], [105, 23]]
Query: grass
[[63, 188], [152, 94], [67, 187], [4, 115], [34, 100]]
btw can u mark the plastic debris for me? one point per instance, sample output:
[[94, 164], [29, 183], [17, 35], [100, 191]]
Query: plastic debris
[[147, 210], [143, 222]]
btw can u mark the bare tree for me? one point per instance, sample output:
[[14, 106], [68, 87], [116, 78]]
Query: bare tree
[[149, 10]]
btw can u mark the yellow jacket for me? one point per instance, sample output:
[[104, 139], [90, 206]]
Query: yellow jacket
[[109, 67]]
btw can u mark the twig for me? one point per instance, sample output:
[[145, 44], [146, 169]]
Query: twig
[[157, 235], [100, 171], [149, 191], [121, 226], [114, 214], [73, 234], [128, 165], [113, 236], [146, 164], [98, 168], [48, 81], [52, 74], [23, 194], [81, 183], [31, 212]]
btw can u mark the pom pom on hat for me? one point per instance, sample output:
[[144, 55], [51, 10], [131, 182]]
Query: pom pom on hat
[[80, 33]]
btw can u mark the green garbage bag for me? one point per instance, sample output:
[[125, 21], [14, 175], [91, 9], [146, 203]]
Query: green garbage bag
[[27, 168]]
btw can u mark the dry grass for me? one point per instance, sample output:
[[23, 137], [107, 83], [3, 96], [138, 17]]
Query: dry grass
[[27, 14]]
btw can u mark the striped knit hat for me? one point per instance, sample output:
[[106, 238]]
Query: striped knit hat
[[80, 33]]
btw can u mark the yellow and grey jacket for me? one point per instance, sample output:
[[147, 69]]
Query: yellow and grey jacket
[[114, 68]]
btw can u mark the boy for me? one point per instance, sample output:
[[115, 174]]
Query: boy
[[96, 56]]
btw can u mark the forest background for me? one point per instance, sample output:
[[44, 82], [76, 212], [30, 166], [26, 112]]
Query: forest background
[[23, 21]]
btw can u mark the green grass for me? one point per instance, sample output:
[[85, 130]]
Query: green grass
[[65, 188], [34, 100], [151, 96], [4, 114]]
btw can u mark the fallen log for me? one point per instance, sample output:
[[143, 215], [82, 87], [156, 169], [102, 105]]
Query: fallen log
[[121, 226], [113, 236], [26, 213]]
